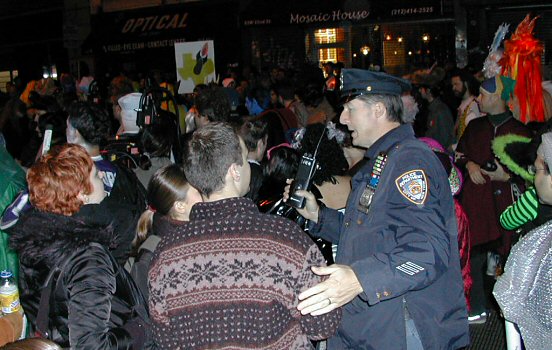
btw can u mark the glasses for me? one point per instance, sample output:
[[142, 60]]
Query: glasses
[[533, 169]]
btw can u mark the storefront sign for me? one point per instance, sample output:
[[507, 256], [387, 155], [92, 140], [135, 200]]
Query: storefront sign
[[335, 15], [324, 12], [161, 27], [147, 24]]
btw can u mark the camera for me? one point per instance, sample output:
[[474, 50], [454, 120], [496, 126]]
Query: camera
[[489, 165], [302, 181]]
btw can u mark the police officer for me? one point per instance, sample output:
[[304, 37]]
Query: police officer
[[398, 269]]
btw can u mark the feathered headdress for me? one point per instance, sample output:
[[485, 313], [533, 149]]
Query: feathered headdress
[[491, 66], [521, 61]]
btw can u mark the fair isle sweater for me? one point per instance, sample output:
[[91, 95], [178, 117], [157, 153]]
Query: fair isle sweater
[[229, 279]]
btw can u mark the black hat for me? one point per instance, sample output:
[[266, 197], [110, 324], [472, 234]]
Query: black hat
[[355, 82]]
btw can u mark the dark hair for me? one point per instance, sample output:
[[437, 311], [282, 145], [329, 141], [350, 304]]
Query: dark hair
[[253, 131], [157, 139], [166, 186], [313, 95], [209, 154], [393, 104], [56, 179], [214, 104], [286, 91], [469, 79], [281, 166], [91, 121], [330, 156]]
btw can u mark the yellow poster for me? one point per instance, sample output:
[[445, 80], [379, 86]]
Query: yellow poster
[[195, 64]]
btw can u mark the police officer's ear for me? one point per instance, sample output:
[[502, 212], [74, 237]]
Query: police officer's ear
[[379, 109]]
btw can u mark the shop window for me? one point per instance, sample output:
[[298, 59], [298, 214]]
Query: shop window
[[331, 54], [326, 44]]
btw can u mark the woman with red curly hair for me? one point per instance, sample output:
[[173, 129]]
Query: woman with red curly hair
[[93, 301]]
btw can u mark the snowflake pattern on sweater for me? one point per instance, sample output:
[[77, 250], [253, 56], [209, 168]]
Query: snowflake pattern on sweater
[[230, 278]]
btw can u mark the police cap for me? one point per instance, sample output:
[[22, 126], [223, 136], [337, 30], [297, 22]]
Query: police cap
[[355, 82]]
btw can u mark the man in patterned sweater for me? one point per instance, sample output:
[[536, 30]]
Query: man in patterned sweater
[[230, 277]]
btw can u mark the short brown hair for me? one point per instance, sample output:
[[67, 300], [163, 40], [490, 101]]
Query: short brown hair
[[209, 153], [56, 179]]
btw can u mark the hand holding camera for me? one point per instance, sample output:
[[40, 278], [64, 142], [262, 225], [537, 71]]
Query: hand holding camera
[[495, 171]]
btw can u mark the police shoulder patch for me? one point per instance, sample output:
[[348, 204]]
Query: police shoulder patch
[[413, 186]]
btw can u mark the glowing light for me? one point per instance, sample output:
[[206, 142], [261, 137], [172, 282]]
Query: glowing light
[[425, 37], [400, 39], [365, 50], [354, 55], [409, 53], [388, 37]]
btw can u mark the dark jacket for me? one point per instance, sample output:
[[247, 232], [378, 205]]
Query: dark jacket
[[94, 301], [404, 252]]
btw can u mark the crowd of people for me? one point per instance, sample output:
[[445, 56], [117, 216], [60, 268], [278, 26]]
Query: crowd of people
[[176, 231]]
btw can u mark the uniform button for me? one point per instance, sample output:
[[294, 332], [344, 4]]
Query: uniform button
[[386, 294], [347, 224], [359, 222], [378, 295]]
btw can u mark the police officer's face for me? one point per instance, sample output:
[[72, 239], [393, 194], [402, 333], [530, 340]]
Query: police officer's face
[[359, 118]]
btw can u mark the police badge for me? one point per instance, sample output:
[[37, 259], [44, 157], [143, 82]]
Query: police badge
[[413, 186], [366, 197]]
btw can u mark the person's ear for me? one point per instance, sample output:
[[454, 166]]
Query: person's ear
[[379, 109], [83, 197], [181, 211], [180, 207], [235, 172]]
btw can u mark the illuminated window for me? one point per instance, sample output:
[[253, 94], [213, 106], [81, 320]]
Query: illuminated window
[[331, 54], [325, 36], [328, 44]]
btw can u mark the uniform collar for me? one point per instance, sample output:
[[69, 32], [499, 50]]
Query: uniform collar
[[385, 142]]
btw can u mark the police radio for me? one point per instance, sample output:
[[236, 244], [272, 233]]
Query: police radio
[[305, 172]]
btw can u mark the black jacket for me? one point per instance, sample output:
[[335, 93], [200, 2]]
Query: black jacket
[[94, 301]]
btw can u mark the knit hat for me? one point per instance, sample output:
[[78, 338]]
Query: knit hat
[[129, 104], [499, 84]]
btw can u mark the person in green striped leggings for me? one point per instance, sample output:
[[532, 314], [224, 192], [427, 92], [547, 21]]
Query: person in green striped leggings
[[527, 212]]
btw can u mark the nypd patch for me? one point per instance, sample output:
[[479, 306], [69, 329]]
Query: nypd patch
[[413, 186]]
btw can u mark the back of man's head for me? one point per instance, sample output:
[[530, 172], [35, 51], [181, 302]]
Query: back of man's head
[[91, 121], [214, 104], [209, 154]]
